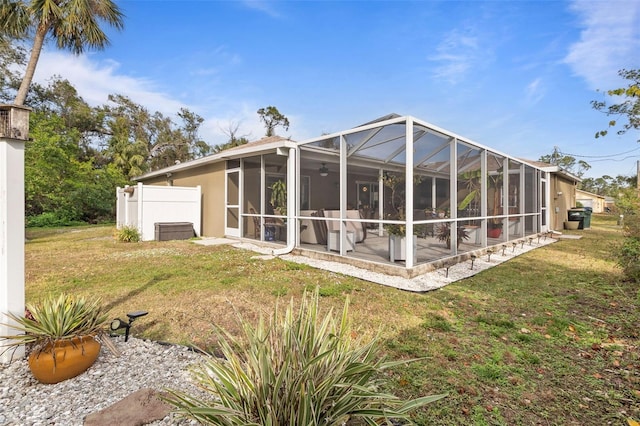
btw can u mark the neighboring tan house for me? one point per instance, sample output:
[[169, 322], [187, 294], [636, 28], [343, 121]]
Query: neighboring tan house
[[588, 199], [354, 195]]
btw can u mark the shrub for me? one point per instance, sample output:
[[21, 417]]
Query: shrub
[[627, 201], [297, 369], [51, 220], [629, 258], [128, 234], [628, 253]]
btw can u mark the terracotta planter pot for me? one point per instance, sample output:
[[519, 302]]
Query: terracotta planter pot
[[494, 232], [72, 357]]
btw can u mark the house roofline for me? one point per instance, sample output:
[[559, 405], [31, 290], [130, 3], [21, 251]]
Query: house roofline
[[565, 173], [258, 147], [552, 168], [590, 193]]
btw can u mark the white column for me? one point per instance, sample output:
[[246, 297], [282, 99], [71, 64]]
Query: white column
[[140, 212], [453, 194], [12, 237], [434, 189], [408, 190], [380, 201], [343, 196], [484, 210], [292, 198]]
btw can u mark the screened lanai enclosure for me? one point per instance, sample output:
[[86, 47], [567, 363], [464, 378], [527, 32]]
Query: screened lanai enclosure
[[397, 191]]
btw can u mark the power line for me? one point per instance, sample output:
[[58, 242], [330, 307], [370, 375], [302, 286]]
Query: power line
[[616, 159], [601, 156]]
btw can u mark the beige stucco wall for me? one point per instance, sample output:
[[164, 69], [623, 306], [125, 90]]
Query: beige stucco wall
[[563, 197], [211, 178]]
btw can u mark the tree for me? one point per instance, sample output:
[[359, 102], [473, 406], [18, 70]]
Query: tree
[[607, 185], [234, 140], [60, 187], [140, 141], [566, 162], [629, 107], [11, 55], [272, 118], [178, 144], [74, 25], [61, 98]]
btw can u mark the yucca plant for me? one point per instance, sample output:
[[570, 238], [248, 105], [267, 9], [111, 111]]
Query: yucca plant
[[64, 317], [128, 234], [298, 369]]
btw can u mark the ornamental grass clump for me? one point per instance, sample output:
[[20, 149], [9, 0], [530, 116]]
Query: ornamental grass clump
[[297, 369], [55, 319], [128, 234]]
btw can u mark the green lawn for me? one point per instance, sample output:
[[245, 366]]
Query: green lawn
[[548, 338]]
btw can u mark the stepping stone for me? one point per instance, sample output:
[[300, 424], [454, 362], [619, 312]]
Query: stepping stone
[[139, 408]]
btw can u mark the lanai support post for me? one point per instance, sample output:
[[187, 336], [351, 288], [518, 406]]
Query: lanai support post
[[408, 208], [14, 131]]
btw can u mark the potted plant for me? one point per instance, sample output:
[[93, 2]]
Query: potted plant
[[279, 196], [471, 181], [494, 228], [398, 231], [470, 203], [443, 233], [62, 333], [397, 236]]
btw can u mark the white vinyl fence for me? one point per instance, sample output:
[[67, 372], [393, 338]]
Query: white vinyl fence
[[143, 206]]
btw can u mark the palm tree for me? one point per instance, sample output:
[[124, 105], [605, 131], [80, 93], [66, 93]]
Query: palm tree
[[73, 24]]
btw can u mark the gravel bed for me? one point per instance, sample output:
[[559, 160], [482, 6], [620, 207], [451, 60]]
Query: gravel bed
[[141, 364], [422, 283]]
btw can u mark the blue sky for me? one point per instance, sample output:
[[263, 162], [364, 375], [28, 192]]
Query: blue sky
[[517, 76]]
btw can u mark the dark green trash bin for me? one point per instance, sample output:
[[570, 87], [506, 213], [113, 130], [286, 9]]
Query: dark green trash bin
[[577, 214], [588, 211]]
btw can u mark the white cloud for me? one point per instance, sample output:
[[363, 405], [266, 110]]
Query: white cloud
[[264, 6], [609, 41], [457, 54], [95, 81], [534, 91], [242, 114], [500, 121], [221, 55]]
